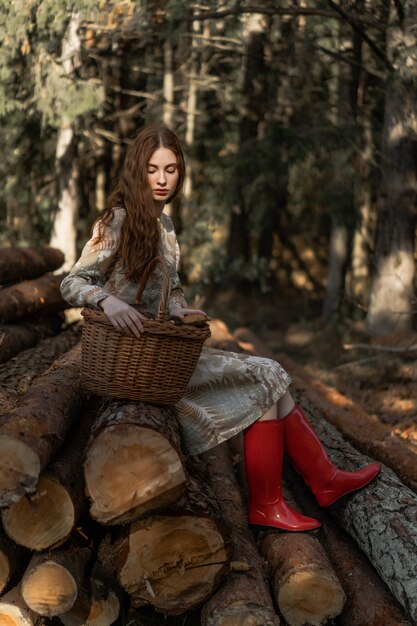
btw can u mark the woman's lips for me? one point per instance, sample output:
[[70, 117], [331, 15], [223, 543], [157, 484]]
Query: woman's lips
[[161, 192]]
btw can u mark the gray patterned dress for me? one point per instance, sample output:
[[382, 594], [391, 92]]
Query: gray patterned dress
[[227, 391]]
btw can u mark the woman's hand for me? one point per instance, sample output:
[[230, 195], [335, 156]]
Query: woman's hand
[[180, 312], [124, 317]]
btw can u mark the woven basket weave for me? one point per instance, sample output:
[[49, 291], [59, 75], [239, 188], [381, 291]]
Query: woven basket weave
[[155, 368]]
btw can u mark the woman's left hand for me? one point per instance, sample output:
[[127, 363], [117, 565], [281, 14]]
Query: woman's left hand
[[180, 312]]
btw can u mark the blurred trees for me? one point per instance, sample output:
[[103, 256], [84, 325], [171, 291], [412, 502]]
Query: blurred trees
[[297, 120]]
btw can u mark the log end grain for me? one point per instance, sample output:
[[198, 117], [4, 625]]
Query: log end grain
[[173, 563], [101, 607], [130, 471], [42, 521], [241, 614], [310, 597], [49, 589], [14, 611], [19, 469]]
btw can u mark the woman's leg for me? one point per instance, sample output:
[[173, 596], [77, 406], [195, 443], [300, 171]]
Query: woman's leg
[[307, 454], [264, 453]]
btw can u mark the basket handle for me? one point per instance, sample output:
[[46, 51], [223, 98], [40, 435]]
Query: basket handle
[[162, 309]]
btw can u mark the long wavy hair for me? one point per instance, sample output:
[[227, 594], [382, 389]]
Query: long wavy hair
[[140, 235]]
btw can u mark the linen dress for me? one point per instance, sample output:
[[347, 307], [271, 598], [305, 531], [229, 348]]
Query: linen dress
[[227, 391]]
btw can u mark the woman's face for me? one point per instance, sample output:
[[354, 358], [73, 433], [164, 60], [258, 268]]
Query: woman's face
[[162, 175]]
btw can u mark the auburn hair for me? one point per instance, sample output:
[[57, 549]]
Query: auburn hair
[[140, 235]]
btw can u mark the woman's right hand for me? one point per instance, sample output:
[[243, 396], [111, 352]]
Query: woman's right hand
[[124, 317]]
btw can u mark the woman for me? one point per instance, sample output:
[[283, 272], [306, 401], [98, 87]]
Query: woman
[[228, 392]]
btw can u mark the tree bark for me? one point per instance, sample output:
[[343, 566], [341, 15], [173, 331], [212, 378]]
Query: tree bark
[[133, 463], [18, 264], [338, 254], [392, 292], [383, 513], [31, 296], [34, 430], [173, 561], [64, 232], [46, 518], [17, 337], [20, 371], [244, 597], [51, 582]]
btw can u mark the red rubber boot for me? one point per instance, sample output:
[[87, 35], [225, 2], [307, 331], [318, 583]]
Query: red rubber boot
[[264, 454], [306, 452]]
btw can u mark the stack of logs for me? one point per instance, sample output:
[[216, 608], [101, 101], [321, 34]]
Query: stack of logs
[[103, 513]]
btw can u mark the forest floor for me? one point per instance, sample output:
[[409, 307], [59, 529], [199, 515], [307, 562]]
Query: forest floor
[[379, 374]]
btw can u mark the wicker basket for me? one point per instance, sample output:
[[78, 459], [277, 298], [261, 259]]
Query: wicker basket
[[155, 368]]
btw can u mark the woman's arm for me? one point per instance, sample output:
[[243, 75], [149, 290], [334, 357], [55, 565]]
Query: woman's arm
[[80, 287]]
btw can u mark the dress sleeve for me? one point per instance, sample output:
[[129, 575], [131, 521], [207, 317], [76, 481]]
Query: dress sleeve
[[176, 298], [80, 287]]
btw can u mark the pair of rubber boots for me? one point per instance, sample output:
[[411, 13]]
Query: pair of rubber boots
[[264, 451]]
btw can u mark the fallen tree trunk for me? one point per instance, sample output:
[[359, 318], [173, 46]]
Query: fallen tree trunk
[[18, 264], [305, 586], [173, 561], [384, 504], [46, 518], [133, 464], [17, 376], [31, 296], [34, 430], [17, 337], [244, 597], [15, 612], [51, 582], [368, 599]]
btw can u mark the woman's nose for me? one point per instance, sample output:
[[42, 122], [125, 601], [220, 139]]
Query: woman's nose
[[161, 177]]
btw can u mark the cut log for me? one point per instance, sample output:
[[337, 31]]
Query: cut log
[[20, 371], [13, 560], [46, 518], [18, 264], [174, 561], [368, 599], [306, 588], [98, 603], [382, 514], [17, 337], [133, 463], [51, 582], [15, 612], [32, 432], [31, 296], [244, 598], [365, 432]]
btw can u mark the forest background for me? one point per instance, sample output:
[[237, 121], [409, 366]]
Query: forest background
[[298, 121]]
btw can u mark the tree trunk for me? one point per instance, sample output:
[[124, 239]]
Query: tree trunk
[[17, 337], [173, 561], [338, 253], [34, 430], [64, 233], [392, 293], [384, 504], [368, 599], [244, 598], [46, 518], [305, 586], [52, 581], [31, 296], [18, 264], [168, 88], [133, 464], [18, 374]]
